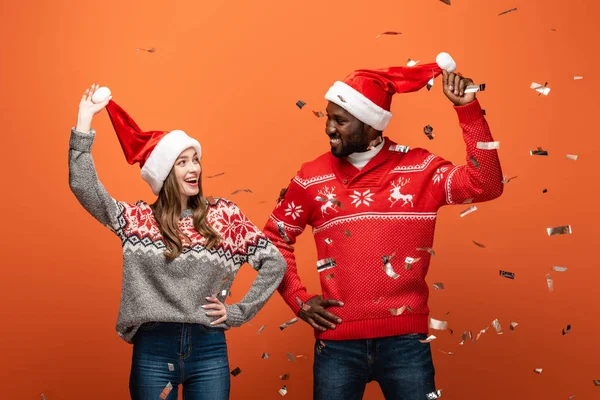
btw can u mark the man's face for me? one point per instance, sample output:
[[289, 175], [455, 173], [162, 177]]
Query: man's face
[[346, 133]]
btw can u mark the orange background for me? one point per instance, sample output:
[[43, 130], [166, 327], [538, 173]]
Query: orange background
[[229, 73]]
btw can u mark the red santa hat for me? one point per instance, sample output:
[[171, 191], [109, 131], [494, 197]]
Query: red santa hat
[[155, 151], [367, 94]]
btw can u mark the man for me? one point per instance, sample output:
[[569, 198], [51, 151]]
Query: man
[[372, 205]]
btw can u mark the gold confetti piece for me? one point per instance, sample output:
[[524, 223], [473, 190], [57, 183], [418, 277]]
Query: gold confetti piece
[[412, 63], [290, 322], [468, 211], [236, 371], [262, 328], [468, 201], [513, 325], [573, 157], [291, 357], [389, 33], [215, 175], [506, 274], [428, 131], [427, 249], [171, 367], [550, 282], [479, 244], [474, 161], [284, 377], [596, 382], [507, 11], [325, 264], [241, 190], [481, 332], [496, 325], [318, 114], [408, 262], [565, 331], [488, 145], [576, 77], [397, 311], [265, 356], [282, 232], [330, 276], [300, 104], [387, 267], [505, 181], [438, 394], [152, 50], [347, 233], [438, 286], [559, 269], [429, 339], [447, 352], [437, 324], [538, 371], [475, 88], [559, 230], [283, 391], [165, 393], [541, 89]]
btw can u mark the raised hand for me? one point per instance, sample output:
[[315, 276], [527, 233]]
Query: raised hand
[[87, 109], [454, 87]]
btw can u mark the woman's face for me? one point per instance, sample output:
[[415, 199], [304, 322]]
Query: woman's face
[[187, 171]]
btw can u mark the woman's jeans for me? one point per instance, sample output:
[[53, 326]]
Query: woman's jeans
[[192, 355]]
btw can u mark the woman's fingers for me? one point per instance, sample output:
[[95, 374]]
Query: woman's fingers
[[220, 320], [213, 306], [219, 312]]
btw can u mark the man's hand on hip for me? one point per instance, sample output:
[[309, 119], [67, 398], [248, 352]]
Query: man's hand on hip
[[314, 313]]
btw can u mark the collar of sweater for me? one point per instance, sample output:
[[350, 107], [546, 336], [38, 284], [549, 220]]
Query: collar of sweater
[[359, 160]]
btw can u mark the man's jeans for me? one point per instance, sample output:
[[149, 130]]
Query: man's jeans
[[401, 365]]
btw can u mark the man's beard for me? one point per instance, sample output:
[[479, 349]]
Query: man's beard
[[349, 148]]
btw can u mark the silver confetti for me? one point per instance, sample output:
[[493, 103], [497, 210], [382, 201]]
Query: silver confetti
[[550, 282], [559, 269], [412, 63], [479, 244], [596, 382], [496, 325], [438, 394], [265, 356], [290, 322], [429, 339], [328, 241], [541, 89], [262, 328], [408, 262], [577, 77], [291, 357], [283, 391], [398, 311], [282, 232], [284, 377], [438, 286], [559, 230], [427, 249], [506, 274], [565, 331], [437, 324], [171, 367], [573, 157], [165, 393], [538, 371], [513, 326], [468, 211], [488, 145], [325, 264]]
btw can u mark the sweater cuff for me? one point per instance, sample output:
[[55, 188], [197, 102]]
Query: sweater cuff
[[235, 317], [82, 141], [469, 112]]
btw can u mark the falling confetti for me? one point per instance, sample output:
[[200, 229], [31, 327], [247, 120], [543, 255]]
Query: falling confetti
[[429, 339], [408, 262], [513, 325], [375, 142], [596, 382], [550, 282], [430, 82], [506, 274], [330, 276], [438, 394], [505, 181], [446, 2], [389, 33], [428, 131], [284, 377], [479, 244], [241, 190], [283, 391], [325, 264], [538, 371], [44, 397], [541, 89], [262, 328], [171, 367], [474, 161], [496, 325], [447, 352], [211, 200], [538, 152], [387, 267], [291, 357], [565, 331], [559, 230], [300, 104], [475, 88], [265, 356], [545, 191], [468, 201], [215, 175], [398, 311], [290, 322], [318, 114], [468, 211], [399, 148], [573, 157], [282, 232], [427, 249], [165, 393], [488, 145], [507, 11], [236, 371], [152, 50], [577, 78], [412, 63], [559, 269], [347, 233], [437, 324], [438, 286]]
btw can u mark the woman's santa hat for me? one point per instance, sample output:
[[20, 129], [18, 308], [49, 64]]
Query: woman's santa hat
[[367, 94], [155, 151]]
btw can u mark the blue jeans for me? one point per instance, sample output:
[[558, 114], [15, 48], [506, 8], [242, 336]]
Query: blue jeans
[[401, 365], [193, 355]]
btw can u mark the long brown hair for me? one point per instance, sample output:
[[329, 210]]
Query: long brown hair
[[167, 211]]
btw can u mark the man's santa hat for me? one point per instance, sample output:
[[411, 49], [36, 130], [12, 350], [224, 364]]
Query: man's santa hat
[[367, 94], [155, 151]]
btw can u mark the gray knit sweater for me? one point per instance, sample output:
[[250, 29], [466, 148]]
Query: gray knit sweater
[[155, 289]]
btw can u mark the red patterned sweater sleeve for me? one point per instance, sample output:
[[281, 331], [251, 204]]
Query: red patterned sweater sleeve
[[286, 222], [480, 178]]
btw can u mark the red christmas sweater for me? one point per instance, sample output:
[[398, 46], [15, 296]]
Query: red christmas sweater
[[360, 218]]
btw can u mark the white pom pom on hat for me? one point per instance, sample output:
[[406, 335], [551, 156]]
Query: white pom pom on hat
[[446, 62]]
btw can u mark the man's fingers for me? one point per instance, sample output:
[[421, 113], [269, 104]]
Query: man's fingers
[[331, 303], [315, 325], [462, 86], [456, 84], [322, 321]]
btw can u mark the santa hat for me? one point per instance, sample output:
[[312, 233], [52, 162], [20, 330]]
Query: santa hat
[[155, 151], [367, 94]]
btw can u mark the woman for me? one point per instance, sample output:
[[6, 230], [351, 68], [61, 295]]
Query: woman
[[180, 256]]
